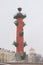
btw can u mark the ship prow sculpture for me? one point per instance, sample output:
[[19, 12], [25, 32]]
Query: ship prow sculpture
[[20, 55]]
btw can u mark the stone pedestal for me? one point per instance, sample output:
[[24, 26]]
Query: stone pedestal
[[21, 57]]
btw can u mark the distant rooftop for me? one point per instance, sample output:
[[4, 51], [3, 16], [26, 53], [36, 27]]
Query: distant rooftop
[[32, 49]]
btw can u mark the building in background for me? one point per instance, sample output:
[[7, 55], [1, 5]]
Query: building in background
[[9, 56], [6, 55], [33, 57]]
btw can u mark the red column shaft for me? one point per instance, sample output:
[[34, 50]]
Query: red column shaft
[[20, 39]]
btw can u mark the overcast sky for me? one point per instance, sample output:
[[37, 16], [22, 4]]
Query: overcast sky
[[33, 30]]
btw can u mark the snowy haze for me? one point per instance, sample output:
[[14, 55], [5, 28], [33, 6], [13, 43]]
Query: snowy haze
[[33, 30]]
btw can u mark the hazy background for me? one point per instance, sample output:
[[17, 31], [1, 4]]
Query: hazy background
[[33, 31]]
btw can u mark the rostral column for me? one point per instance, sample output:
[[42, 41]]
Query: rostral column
[[20, 44]]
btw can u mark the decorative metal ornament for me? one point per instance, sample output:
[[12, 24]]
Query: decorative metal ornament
[[15, 43]]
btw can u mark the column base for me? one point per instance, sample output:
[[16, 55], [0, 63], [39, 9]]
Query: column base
[[22, 57]]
